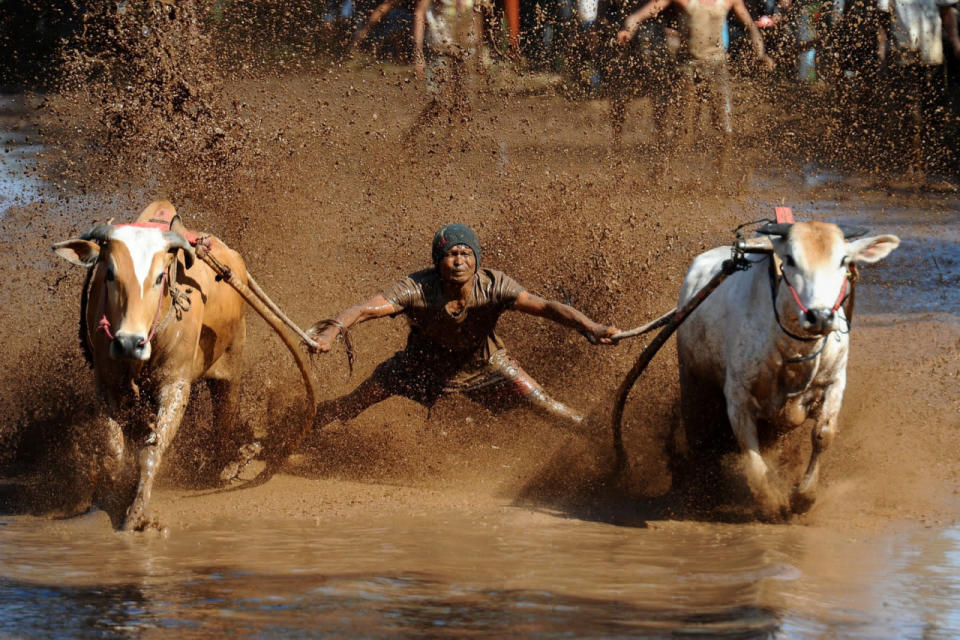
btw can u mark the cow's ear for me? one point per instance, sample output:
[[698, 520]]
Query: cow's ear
[[82, 253], [873, 249]]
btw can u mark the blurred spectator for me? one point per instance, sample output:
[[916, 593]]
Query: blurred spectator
[[854, 44], [703, 69], [647, 66], [455, 37], [849, 59], [588, 56], [809, 18], [915, 71]]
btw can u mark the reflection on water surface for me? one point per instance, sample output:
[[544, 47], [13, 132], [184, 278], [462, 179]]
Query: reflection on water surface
[[508, 572]]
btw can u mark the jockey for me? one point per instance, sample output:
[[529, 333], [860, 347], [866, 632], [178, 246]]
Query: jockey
[[452, 308]]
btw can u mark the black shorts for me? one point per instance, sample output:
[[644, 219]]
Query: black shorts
[[499, 384]]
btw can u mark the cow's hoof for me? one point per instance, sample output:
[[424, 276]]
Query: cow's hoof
[[143, 524], [230, 472], [245, 465], [774, 515], [131, 525], [802, 502], [135, 520], [773, 507]]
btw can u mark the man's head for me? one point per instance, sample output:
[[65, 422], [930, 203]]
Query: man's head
[[452, 235]]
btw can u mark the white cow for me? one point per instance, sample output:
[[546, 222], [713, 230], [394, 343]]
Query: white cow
[[775, 340]]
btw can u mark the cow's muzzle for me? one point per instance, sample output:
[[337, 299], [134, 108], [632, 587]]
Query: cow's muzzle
[[129, 346], [818, 321]]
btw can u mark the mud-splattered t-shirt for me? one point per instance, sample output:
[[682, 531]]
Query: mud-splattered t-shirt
[[459, 342]]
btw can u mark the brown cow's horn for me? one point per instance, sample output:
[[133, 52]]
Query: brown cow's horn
[[176, 224], [775, 229], [850, 232], [100, 233], [177, 241]]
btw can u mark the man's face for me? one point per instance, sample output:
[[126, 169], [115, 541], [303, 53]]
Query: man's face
[[459, 265]]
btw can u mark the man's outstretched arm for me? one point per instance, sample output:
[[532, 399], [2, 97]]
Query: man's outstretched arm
[[566, 315], [326, 333]]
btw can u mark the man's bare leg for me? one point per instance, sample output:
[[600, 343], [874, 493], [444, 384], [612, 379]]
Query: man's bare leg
[[554, 408], [718, 95], [532, 393], [427, 117]]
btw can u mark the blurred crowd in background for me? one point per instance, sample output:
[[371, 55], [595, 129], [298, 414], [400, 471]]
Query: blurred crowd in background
[[881, 64]]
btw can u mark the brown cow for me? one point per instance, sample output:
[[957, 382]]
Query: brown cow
[[155, 323]]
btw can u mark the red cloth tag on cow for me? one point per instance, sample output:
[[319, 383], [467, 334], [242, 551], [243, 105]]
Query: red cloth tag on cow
[[784, 215]]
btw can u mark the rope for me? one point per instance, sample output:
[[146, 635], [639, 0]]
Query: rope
[[323, 325], [728, 268], [84, 303], [650, 326], [771, 272], [255, 288], [156, 315]]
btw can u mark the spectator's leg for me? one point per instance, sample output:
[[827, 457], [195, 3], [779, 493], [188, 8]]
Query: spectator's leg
[[688, 108], [618, 108], [458, 98], [668, 97], [718, 90], [916, 95], [438, 82], [932, 113]]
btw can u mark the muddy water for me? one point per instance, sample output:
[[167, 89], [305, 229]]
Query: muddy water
[[504, 572], [20, 144]]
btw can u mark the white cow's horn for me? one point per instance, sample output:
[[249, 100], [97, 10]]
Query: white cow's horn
[[852, 232], [775, 229]]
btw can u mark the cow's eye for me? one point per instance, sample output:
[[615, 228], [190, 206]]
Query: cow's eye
[[844, 260], [790, 261], [159, 279], [111, 276]]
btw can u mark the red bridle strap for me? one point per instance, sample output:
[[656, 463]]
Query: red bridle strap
[[803, 308]]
